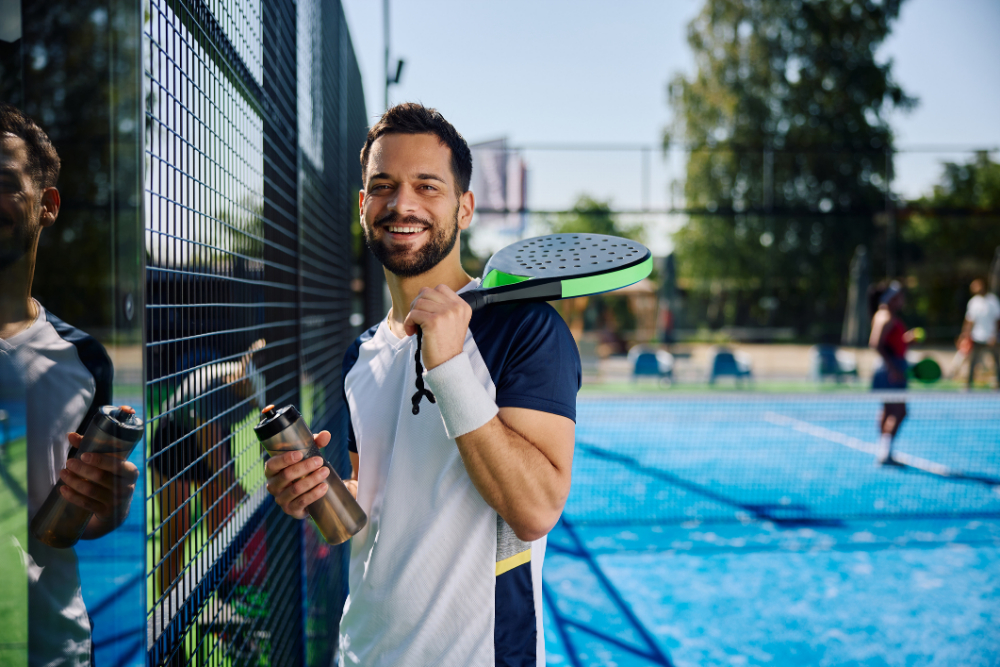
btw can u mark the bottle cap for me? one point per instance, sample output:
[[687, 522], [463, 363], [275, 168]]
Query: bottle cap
[[273, 422], [120, 422]]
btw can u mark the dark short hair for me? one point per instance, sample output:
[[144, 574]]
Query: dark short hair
[[43, 160], [413, 118]]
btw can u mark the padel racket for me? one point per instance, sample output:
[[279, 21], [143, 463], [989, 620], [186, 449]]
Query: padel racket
[[547, 268]]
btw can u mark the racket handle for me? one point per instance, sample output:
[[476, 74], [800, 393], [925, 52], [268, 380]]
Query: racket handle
[[475, 298]]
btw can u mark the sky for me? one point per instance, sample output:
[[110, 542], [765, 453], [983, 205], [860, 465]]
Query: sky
[[551, 71]]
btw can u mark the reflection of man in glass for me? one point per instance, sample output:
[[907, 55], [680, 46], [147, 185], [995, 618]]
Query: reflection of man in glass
[[63, 376]]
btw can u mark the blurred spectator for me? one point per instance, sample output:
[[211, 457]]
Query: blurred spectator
[[982, 317]]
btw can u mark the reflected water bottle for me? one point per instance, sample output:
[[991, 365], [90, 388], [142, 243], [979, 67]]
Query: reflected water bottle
[[337, 514], [113, 430]]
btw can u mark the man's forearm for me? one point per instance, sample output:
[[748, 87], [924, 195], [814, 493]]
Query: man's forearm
[[515, 478], [966, 329], [519, 459]]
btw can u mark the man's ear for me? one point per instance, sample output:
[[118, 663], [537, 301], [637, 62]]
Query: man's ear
[[466, 207], [50, 207]]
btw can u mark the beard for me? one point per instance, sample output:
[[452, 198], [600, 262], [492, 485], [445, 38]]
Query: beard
[[16, 241], [407, 263]]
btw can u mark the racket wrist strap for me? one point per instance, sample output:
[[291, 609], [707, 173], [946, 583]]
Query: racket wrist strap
[[464, 402]]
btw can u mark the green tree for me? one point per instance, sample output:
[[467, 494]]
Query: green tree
[[790, 157], [949, 237], [593, 216]]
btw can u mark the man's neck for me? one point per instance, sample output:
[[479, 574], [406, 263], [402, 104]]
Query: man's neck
[[16, 308], [404, 290]]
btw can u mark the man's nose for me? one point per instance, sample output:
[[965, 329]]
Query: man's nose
[[404, 200]]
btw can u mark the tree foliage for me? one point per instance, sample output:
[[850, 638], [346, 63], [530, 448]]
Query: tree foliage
[[949, 237], [790, 156], [593, 216]]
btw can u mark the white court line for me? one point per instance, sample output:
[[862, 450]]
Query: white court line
[[860, 445]]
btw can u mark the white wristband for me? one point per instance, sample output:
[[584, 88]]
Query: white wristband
[[464, 402]]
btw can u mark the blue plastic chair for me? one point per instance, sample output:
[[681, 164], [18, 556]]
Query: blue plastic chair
[[828, 361], [650, 363], [725, 363]]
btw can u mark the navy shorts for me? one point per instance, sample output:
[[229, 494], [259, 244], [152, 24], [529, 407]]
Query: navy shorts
[[881, 380]]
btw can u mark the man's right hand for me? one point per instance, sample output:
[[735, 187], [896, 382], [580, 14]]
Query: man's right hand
[[294, 483]]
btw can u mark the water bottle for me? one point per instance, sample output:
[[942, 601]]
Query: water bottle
[[113, 430], [337, 514]]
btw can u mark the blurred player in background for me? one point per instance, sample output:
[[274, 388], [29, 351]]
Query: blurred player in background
[[890, 339], [982, 319]]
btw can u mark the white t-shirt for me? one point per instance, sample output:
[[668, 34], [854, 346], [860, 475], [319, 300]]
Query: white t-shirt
[[437, 577], [50, 376], [983, 312]]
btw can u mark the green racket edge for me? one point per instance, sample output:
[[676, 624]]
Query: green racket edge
[[606, 282], [583, 286]]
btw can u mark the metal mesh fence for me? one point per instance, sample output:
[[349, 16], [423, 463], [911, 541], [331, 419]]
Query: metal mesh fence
[[254, 113]]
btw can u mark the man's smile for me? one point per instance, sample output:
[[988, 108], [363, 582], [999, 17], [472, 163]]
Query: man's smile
[[404, 229]]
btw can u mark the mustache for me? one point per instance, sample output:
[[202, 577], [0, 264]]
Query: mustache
[[393, 217]]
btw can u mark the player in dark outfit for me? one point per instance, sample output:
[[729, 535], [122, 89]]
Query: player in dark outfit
[[889, 338]]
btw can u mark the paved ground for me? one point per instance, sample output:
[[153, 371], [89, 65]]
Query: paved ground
[[770, 362]]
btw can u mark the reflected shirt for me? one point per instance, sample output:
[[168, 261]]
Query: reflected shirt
[[60, 376]]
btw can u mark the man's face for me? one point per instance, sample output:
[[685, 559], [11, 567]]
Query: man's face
[[411, 211], [20, 202]]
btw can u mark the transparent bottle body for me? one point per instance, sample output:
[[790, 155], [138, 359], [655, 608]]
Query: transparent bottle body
[[59, 523], [337, 514]]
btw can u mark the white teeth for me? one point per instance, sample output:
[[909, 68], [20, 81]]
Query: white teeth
[[404, 230]]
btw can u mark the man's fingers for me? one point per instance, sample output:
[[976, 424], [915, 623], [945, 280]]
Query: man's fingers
[[74, 439], [292, 498], [430, 304], [277, 483], [276, 464], [96, 493], [80, 500], [111, 464], [91, 473], [297, 507], [322, 439]]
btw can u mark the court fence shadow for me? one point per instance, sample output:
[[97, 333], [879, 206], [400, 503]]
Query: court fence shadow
[[564, 541]]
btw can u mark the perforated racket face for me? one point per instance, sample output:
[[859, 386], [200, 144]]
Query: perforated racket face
[[567, 256]]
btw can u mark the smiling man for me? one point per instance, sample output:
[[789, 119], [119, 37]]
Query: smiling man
[[460, 496]]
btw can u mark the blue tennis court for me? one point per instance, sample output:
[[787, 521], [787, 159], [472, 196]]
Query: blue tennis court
[[758, 530]]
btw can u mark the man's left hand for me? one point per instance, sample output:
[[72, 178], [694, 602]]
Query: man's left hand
[[444, 317], [99, 483]]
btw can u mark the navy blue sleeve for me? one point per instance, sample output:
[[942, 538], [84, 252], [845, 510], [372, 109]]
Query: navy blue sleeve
[[532, 357], [96, 360], [351, 358]]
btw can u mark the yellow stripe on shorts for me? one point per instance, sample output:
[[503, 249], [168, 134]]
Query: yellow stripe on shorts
[[508, 564]]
